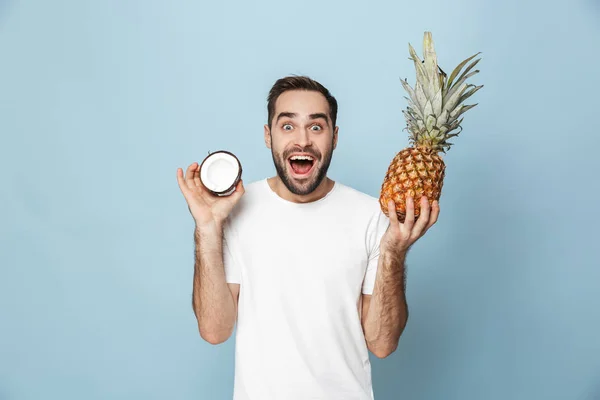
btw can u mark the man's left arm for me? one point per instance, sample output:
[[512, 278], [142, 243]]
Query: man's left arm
[[385, 312]]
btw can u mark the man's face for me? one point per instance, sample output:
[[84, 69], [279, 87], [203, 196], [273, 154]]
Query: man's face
[[301, 139]]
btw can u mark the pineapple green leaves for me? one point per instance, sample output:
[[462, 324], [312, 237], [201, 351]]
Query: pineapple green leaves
[[436, 103]]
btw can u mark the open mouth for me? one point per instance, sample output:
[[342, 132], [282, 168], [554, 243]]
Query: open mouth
[[301, 165]]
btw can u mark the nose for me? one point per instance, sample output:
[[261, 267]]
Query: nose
[[302, 138]]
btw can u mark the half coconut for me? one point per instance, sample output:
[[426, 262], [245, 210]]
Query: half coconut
[[220, 172]]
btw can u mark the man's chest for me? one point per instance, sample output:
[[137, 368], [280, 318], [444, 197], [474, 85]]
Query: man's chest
[[303, 252]]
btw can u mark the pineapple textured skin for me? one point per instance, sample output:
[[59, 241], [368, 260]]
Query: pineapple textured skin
[[415, 172]]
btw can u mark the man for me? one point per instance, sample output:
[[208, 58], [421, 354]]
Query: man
[[311, 270]]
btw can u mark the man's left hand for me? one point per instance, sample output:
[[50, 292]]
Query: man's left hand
[[401, 235]]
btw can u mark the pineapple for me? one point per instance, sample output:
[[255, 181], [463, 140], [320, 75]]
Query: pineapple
[[432, 115]]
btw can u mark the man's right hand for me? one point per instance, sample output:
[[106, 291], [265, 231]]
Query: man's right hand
[[209, 211]]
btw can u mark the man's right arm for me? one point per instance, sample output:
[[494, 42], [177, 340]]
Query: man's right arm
[[214, 300]]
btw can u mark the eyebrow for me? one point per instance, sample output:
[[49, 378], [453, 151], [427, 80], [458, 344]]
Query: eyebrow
[[293, 115], [285, 115], [319, 115]]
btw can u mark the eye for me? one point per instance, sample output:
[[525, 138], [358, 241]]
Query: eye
[[287, 127], [316, 127]]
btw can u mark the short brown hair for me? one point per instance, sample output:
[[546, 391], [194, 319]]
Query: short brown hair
[[295, 82]]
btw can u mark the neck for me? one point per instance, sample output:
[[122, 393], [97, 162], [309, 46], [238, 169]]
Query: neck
[[282, 191]]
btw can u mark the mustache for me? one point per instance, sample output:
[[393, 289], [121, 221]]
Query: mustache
[[313, 152]]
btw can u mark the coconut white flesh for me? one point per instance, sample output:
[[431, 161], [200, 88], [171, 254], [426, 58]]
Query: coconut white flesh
[[219, 171]]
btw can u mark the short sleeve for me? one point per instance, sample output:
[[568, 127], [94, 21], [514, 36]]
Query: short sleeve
[[230, 259], [375, 230]]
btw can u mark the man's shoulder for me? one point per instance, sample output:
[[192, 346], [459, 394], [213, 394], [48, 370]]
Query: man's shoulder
[[254, 186], [362, 208], [255, 189], [355, 196], [254, 192]]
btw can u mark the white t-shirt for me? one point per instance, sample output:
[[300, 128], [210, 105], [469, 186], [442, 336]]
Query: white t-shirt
[[302, 269]]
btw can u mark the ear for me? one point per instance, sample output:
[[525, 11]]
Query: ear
[[335, 136], [267, 134]]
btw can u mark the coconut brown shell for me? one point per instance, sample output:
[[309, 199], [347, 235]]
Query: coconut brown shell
[[231, 188]]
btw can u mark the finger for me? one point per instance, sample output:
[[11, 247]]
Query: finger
[[392, 215], [181, 182], [239, 191], [189, 175], [435, 212], [197, 180], [409, 220], [423, 218]]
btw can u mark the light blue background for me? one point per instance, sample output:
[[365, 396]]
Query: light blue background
[[101, 102]]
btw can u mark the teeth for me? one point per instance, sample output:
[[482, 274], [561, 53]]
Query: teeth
[[302, 158]]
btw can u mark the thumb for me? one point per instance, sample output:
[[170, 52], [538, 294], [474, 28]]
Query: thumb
[[239, 191]]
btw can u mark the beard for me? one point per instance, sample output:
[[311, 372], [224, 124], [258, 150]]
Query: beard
[[321, 165]]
